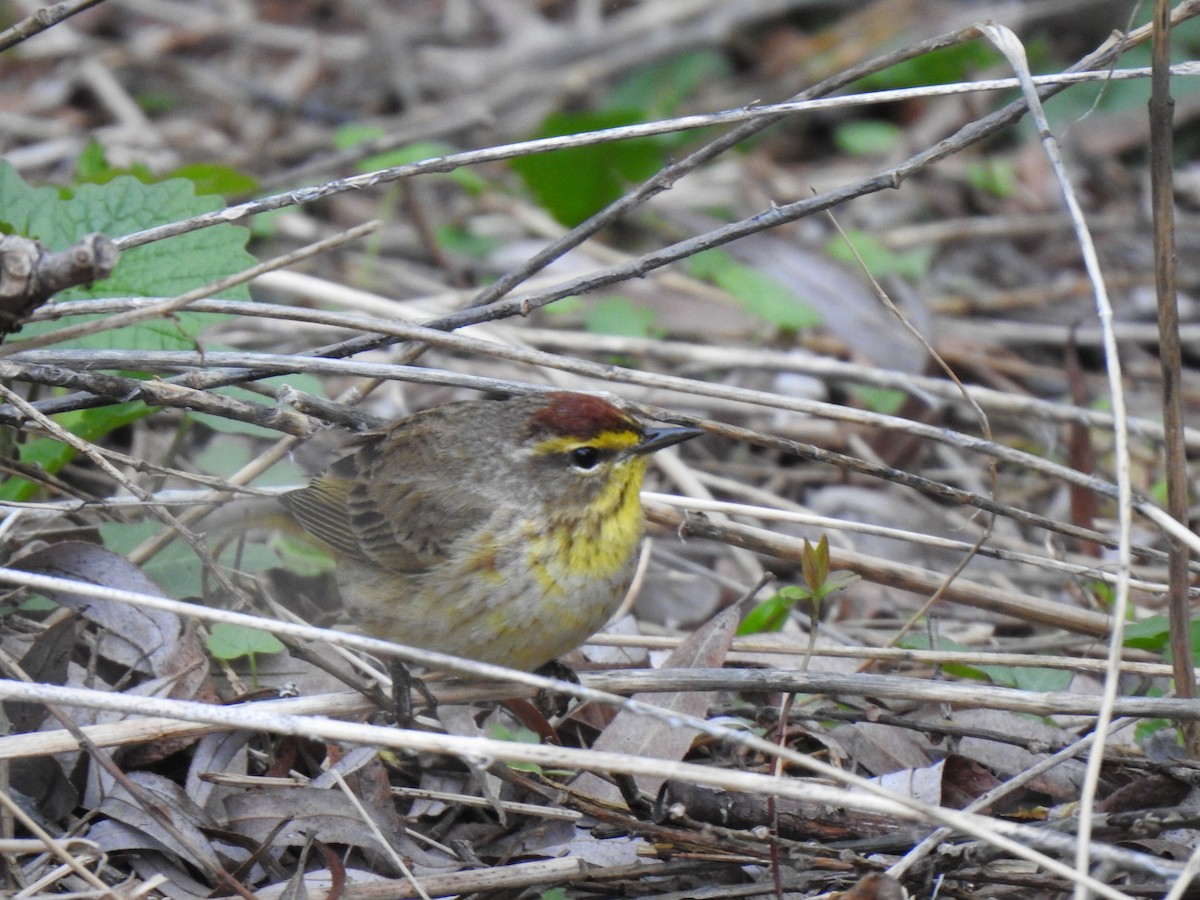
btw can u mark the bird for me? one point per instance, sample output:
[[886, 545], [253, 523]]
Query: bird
[[505, 531]]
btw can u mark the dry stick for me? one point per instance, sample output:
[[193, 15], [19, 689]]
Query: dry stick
[[779, 215], [659, 183], [294, 421], [119, 389], [1075, 567], [164, 308], [667, 177], [759, 359], [965, 136], [985, 427], [493, 154], [90, 450], [1008, 44], [276, 364], [900, 688], [41, 20], [931, 841], [58, 851], [1163, 202], [1010, 837], [522, 305], [994, 401], [1162, 198], [913, 578], [385, 845], [996, 833], [139, 794]]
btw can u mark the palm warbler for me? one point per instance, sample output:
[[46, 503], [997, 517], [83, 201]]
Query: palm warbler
[[504, 531]]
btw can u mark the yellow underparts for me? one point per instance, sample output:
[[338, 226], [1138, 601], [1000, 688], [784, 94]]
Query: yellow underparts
[[598, 545]]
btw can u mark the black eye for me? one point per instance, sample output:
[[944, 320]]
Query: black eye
[[585, 457]]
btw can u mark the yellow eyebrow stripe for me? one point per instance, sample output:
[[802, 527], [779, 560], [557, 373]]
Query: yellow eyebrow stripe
[[606, 440]]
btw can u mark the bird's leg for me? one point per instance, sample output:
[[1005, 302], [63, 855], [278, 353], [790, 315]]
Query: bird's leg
[[403, 683]]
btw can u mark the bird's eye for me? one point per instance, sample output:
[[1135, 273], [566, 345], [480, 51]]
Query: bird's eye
[[585, 457]]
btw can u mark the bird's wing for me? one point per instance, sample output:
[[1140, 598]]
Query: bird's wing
[[366, 508]]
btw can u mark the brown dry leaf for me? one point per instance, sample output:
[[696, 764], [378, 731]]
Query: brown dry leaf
[[327, 814], [39, 782], [147, 640], [1005, 759], [875, 887], [1151, 792], [220, 753], [652, 738], [952, 782], [799, 820], [130, 827], [46, 661], [881, 749], [964, 781]]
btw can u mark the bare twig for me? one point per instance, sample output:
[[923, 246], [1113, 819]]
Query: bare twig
[[41, 20]]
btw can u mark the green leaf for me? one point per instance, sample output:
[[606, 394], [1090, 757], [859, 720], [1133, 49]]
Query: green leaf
[[500, 732], [878, 259], [880, 400], [1168, 655], [93, 167], [214, 178], [300, 555], [620, 316], [36, 603], [20, 202], [659, 88], [839, 580], [867, 137], [995, 674], [174, 568], [51, 455], [574, 184], [957, 63], [226, 641], [1147, 728], [566, 306], [1031, 678], [163, 268], [461, 240], [350, 136], [814, 565], [772, 614], [994, 176], [761, 295], [1153, 634], [157, 102]]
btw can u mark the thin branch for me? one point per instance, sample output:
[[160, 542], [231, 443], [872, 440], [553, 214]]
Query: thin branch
[[41, 20]]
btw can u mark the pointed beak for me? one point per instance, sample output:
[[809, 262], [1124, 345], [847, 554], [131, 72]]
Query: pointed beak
[[658, 438]]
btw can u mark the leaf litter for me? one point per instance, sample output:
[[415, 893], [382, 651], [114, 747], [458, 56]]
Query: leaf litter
[[973, 254]]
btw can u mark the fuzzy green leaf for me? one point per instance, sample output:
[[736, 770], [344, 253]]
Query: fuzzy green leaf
[[762, 295], [163, 268]]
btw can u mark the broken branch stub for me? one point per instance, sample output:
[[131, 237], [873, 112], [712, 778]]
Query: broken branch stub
[[30, 274]]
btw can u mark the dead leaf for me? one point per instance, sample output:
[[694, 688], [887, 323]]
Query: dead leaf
[[143, 639], [653, 738]]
